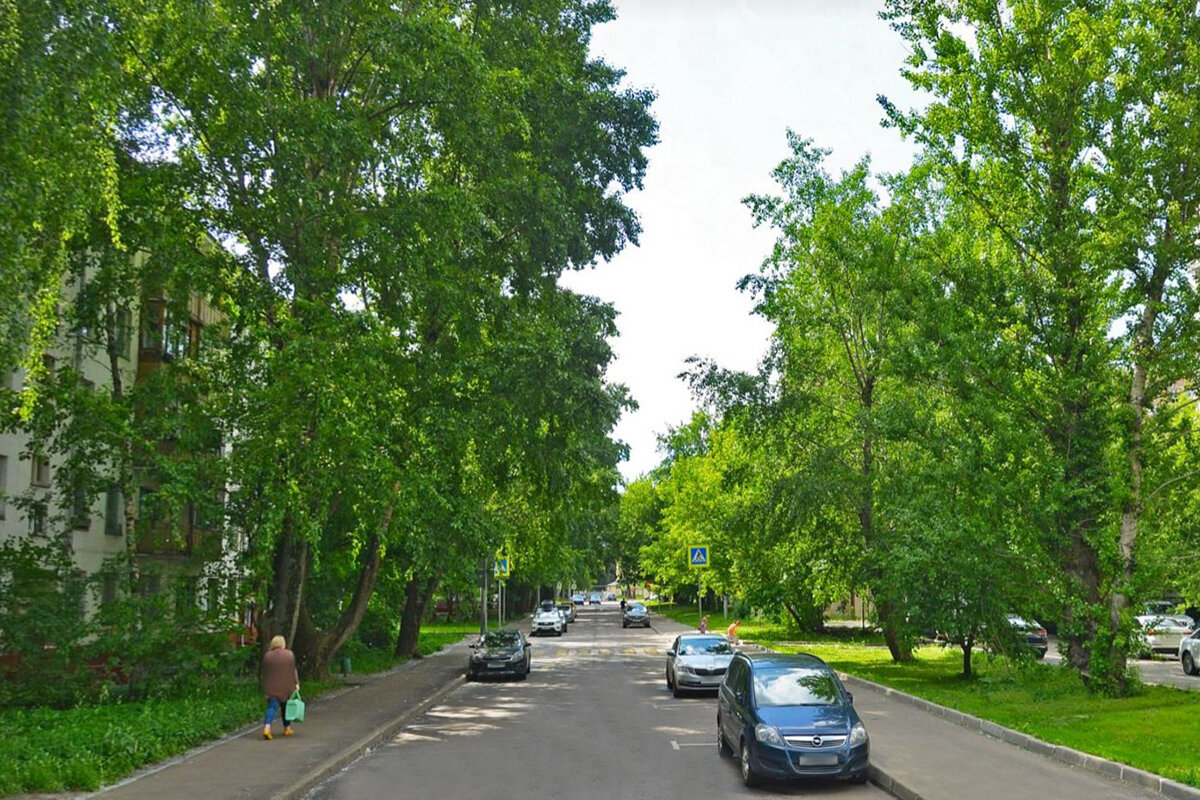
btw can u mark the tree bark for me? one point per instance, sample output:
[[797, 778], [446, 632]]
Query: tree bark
[[416, 599], [282, 617]]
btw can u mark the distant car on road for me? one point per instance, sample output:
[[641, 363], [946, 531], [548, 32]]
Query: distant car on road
[[594, 599], [502, 652], [697, 661], [548, 619], [612, 596], [578, 599], [788, 716], [635, 614], [568, 610], [1164, 632]]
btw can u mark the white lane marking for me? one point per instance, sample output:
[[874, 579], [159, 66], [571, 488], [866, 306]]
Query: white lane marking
[[674, 745]]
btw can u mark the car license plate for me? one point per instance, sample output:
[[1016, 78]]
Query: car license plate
[[818, 760], [495, 666]]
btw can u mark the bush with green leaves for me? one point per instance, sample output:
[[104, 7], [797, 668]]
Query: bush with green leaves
[[41, 625]]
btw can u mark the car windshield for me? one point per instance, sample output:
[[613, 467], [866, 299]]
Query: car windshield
[[499, 639], [634, 607], [794, 686], [711, 646]]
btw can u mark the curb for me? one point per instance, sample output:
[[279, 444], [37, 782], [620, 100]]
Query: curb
[[1101, 766], [336, 763]]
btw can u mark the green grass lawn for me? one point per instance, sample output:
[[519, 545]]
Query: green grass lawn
[[45, 750], [1152, 730]]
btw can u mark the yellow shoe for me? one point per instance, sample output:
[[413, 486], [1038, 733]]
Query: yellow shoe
[[287, 731], [267, 733]]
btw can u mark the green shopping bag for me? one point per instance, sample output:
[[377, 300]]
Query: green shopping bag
[[295, 708]]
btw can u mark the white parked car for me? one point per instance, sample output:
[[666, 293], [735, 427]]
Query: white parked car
[[548, 619], [1164, 632], [697, 661], [1189, 653]]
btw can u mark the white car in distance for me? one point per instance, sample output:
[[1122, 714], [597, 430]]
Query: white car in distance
[[548, 619]]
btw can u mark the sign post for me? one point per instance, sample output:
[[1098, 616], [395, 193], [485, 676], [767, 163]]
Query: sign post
[[698, 557], [502, 571]]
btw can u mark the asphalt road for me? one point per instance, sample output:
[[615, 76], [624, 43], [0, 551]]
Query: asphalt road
[[594, 719]]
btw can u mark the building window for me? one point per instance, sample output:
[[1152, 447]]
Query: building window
[[123, 328], [114, 511], [152, 327], [37, 519], [3, 485], [41, 471], [195, 330], [108, 590], [81, 512]]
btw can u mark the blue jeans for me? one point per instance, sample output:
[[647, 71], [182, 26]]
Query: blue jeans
[[273, 704]]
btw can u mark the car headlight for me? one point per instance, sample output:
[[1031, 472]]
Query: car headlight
[[517, 657], [685, 668], [768, 735], [858, 734], [476, 658]]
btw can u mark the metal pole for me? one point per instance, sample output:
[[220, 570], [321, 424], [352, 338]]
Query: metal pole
[[483, 615], [699, 600]]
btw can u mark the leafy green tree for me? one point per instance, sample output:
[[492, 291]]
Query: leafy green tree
[[1059, 123], [430, 162], [834, 286], [61, 83]]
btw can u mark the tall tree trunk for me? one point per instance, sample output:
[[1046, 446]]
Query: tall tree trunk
[[416, 599], [1132, 511], [282, 615]]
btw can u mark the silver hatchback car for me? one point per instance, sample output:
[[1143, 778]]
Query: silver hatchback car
[[697, 662]]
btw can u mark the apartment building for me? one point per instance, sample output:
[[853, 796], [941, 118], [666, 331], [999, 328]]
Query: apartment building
[[92, 523]]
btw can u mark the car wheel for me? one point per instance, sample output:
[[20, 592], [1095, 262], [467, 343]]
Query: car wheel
[[749, 776], [1189, 663], [669, 684], [470, 675], [861, 777], [723, 748], [624, 624]]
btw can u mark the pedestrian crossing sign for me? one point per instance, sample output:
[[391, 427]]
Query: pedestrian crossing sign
[[502, 566], [698, 556]]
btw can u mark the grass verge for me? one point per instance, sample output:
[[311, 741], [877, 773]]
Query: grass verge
[[82, 749], [1152, 730]]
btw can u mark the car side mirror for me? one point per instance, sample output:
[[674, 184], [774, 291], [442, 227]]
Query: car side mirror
[[670, 654], [850, 698], [473, 645]]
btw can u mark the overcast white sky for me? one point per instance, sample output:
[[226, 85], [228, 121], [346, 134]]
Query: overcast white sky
[[731, 77]]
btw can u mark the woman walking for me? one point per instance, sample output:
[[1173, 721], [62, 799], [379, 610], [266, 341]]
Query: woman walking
[[279, 679]]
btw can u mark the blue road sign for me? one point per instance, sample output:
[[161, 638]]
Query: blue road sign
[[502, 566], [698, 556]]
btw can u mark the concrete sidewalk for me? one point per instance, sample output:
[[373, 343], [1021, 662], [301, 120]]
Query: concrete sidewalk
[[918, 750], [337, 729]]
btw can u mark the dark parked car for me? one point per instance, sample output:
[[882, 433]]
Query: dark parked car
[[786, 715], [1030, 633], [635, 614], [502, 652]]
